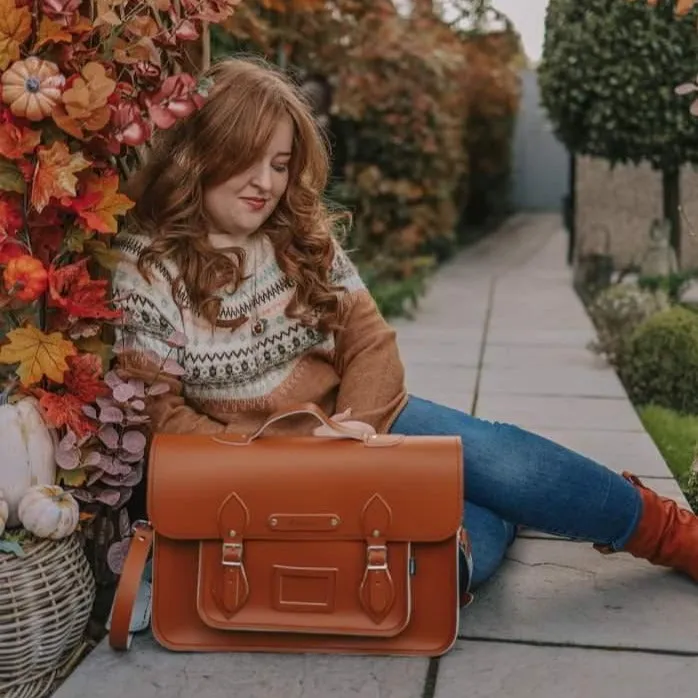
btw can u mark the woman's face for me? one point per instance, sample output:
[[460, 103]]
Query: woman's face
[[241, 204]]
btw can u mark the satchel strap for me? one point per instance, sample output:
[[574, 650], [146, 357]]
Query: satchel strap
[[332, 429], [127, 590]]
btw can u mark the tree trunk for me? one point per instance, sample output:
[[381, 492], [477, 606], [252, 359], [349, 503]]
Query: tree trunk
[[672, 202]]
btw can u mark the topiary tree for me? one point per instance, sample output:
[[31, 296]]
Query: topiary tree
[[608, 78]]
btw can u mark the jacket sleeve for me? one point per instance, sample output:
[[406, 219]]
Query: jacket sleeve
[[150, 333], [372, 375]]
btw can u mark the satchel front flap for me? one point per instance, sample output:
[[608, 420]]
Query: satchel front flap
[[305, 488]]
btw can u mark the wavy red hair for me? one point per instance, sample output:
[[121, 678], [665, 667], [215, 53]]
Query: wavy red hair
[[222, 139]]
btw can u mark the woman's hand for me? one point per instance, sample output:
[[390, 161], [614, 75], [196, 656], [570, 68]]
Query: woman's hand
[[343, 419]]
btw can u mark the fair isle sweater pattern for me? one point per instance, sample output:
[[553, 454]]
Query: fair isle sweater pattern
[[221, 366]]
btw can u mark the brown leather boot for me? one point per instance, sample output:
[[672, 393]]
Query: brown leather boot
[[666, 535]]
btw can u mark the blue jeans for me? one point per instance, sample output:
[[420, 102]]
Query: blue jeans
[[515, 478]]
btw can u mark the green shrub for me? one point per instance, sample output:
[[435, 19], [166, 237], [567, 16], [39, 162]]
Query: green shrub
[[660, 361], [617, 312]]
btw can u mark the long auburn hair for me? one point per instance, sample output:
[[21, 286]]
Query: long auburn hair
[[222, 139]]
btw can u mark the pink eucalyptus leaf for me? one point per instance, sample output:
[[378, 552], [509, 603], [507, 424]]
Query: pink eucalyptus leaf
[[104, 402], [90, 411], [123, 392], [124, 523], [83, 495], [171, 367], [109, 436], [116, 555], [133, 441], [158, 388], [127, 457], [108, 496], [92, 459], [133, 478], [136, 419], [138, 387], [686, 88], [67, 458], [94, 476], [111, 415], [137, 404], [112, 379], [68, 441]]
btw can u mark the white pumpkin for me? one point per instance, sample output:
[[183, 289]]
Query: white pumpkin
[[48, 511], [27, 455], [4, 512]]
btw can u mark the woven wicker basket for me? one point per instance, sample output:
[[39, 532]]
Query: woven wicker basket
[[45, 602]]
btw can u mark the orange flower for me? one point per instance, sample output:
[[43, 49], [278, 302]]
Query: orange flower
[[32, 88], [25, 278]]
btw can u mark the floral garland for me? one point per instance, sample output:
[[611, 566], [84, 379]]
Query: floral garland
[[83, 86]]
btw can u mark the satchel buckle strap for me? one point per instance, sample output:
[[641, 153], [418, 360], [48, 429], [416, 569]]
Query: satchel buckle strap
[[376, 557], [232, 555]]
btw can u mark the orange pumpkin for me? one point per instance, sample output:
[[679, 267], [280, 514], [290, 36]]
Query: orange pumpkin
[[32, 88], [25, 278]]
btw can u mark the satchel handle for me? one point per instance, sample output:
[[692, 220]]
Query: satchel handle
[[337, 430]]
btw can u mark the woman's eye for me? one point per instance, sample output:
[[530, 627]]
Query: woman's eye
[[281, 168]]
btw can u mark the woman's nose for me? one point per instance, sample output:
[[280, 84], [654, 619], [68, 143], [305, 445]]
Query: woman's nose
[[261, 177]]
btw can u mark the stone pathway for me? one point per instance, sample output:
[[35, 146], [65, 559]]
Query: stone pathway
[[501, 335]]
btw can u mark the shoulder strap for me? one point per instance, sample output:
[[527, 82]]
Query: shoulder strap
[[127, 590]]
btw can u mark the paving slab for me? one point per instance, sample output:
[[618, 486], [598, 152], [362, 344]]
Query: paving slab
[[531, 336], [148, 671], [553, 412], [495, 670], [522, 356], [560, 592], [619, 450], [443, 384], [552, 380]]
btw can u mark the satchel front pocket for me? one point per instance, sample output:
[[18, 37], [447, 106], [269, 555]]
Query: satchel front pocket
[[328, 587]]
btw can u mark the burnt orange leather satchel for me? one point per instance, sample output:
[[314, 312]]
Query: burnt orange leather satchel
[[298, 544]]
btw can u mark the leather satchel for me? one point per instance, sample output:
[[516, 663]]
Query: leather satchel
[[344, 543]]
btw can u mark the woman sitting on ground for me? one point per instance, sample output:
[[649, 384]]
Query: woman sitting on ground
[[231, 246]]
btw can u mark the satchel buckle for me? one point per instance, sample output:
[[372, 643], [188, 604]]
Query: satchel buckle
[[234, 550], [376, 557]]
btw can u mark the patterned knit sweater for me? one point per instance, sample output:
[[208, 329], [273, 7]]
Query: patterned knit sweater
[[233, 380]]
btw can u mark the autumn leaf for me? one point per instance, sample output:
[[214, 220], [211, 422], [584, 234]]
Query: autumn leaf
[[55, 174], [71, 478], [51, 32], [84, 378], [109, 203], [16, 141], [10, 177], [107, 257], [38, 354], [65, 411], [15, 29], [72, 290]]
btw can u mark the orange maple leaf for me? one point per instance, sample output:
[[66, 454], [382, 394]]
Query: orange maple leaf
[[103, 203], [51, 32], [72, 290], [65, 411], [15, 29], [84, 378], [55, 174], [17, 141], [38, 354]]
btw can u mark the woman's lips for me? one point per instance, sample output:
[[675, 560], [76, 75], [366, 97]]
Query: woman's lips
[[253, 203]]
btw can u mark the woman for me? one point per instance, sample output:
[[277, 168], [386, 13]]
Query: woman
[[231, 247]]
